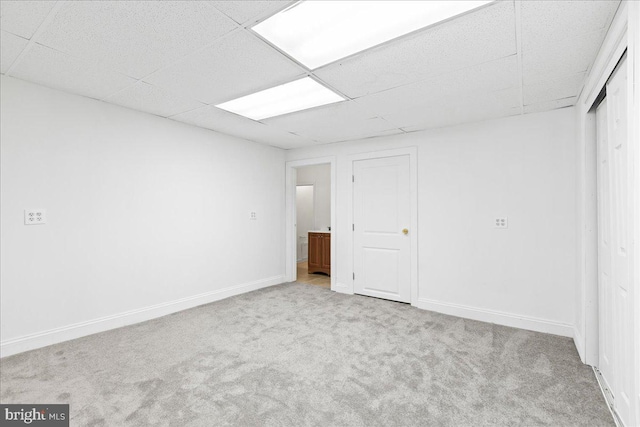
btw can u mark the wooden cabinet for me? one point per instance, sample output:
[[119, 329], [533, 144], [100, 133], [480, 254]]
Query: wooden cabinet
[[319, 253]]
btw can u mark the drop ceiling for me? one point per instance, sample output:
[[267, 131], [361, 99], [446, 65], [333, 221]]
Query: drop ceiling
[[178, 59]]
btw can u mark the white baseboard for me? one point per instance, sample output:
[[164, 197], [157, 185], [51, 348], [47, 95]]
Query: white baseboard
[[497, 317], [579, 343], [77, 330]]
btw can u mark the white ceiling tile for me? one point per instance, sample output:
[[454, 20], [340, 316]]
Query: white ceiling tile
[[151, 99], [55, 69], [363, 134], [134, 37], [337, 122], [449, 111], [504, 98], [357, 129], [235, 65], [23, 17], [483, 78], [480, 36], [250, 11], [449, 119], [222, 121], [10, 48], [550, 105], [551, 21], [464, 70], [417, 95], [568, 56], [493, 75], [548, 90], [290, 143]]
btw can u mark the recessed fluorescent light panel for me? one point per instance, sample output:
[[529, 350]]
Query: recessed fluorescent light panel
[[316, 33], [287, 98]]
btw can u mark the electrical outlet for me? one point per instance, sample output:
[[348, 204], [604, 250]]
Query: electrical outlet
[[35, 216], [501, 222], [253, 216]]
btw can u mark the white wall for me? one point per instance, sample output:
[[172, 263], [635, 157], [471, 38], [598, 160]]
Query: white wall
[[142, 212], [521, 167], [320, 177]]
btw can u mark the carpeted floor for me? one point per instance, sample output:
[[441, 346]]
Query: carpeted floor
[[294, 355]]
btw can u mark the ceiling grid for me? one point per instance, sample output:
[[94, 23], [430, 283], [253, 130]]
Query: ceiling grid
[[179, 59], [518, 19]]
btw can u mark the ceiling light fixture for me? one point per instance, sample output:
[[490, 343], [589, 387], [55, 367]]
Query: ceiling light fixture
[[293, 96], [316, 33]]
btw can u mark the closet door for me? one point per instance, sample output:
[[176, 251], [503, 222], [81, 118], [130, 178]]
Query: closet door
[[617, 123], [605, 288], [615, 310]]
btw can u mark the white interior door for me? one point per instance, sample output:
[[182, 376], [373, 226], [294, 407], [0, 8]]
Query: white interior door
[[605, 288], [615, 320], [381, 211], [304, 219], [617, 112]]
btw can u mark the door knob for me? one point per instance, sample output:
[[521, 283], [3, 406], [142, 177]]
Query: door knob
[[405, 231]]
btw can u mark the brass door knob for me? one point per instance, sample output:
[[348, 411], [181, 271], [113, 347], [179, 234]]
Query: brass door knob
[[405, 231]]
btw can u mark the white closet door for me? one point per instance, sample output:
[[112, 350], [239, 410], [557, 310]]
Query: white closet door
[[605, 287], [615, 310], [617, 112]]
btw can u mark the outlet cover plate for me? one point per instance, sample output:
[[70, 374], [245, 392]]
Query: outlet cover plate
[[35, 216], [501, 222]]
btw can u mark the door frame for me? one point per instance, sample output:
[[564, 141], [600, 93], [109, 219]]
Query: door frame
[[291, 273], [412, 152]]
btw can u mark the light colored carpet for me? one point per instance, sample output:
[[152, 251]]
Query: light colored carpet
[[294, 355]]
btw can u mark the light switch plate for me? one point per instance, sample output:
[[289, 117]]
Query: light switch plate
[[35, 216], [501, 222]]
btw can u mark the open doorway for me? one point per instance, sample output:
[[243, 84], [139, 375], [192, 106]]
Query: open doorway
[[311, 242], [313, 224]]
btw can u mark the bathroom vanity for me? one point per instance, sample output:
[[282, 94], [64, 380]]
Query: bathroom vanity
[[319, 252]]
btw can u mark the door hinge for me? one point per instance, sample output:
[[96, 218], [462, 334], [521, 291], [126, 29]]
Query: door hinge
[[353, 227], [353, 178], [354, 276]]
